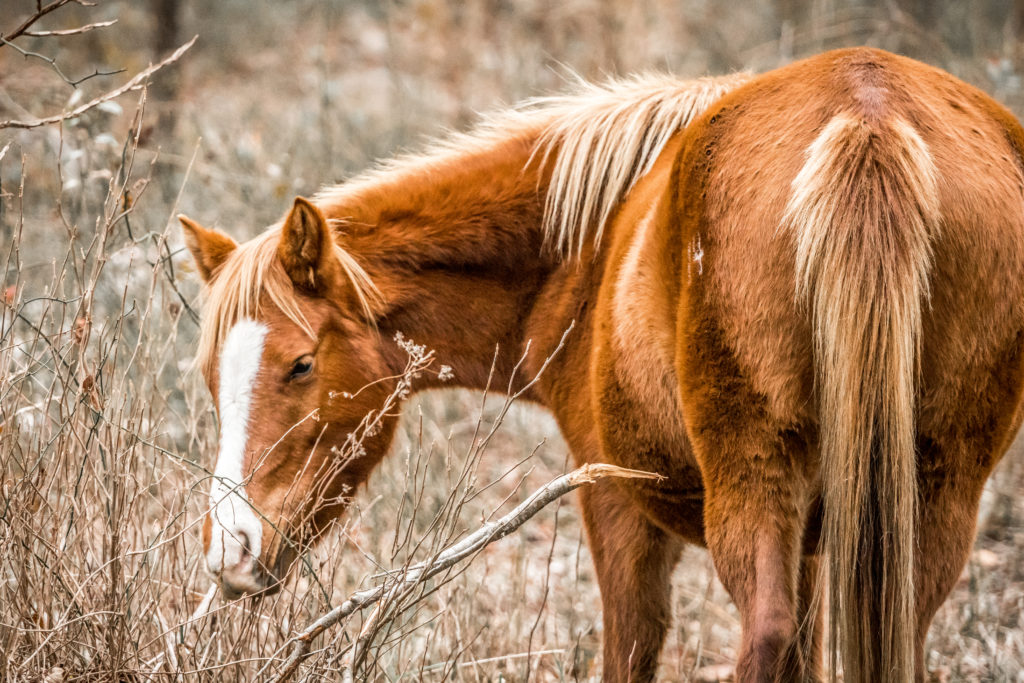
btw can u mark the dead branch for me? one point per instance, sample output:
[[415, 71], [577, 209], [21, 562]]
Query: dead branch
[[134, 84], [452, 555], [73, 82], [67, 31], [41, 11]]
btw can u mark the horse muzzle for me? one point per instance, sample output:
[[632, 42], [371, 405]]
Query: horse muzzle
[[232, 556], [238, 581], [248, 575]]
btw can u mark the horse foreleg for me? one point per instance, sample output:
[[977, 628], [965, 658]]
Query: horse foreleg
[[634, 561]]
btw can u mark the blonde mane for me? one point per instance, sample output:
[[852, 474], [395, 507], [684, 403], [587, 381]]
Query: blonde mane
[[599, 140], [604, 138]]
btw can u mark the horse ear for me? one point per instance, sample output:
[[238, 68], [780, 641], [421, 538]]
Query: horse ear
[[307, 247], [210, 248]]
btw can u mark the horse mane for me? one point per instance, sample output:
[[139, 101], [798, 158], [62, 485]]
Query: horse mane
[[604, 138], [599, 140]]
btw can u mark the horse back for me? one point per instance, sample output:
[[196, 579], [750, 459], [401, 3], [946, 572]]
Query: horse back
[[737, 172], [698, 305]]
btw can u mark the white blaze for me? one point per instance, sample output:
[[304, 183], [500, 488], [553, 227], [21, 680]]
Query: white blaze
[[232, 519]]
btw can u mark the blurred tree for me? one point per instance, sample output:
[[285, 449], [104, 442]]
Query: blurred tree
[[791, 12], [925, 12], [166, 17]]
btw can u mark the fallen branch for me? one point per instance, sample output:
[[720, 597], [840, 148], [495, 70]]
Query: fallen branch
[[452, 555], [134, 84]]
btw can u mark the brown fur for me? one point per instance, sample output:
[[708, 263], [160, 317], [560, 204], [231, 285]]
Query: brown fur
[[775, 342]]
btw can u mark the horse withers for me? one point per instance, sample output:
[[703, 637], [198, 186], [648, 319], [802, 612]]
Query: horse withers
[[797, 296]]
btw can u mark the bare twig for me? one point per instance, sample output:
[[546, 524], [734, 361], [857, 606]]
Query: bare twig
[[41, 11], [73, 82], [452, 555], [134, 84], [67, 31]]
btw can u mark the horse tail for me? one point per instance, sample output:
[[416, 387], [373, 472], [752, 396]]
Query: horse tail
[[864, 212]]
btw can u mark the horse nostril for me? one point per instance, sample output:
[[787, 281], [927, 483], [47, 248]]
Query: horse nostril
[[243, 538], [229, 590]]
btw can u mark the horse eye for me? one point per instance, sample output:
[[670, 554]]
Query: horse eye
[[301, 368]]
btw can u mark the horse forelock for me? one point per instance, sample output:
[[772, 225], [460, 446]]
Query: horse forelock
[[253, 270]]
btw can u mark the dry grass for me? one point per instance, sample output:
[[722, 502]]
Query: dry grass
[[106, 437]]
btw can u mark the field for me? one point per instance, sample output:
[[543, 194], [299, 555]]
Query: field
[[107, 434]]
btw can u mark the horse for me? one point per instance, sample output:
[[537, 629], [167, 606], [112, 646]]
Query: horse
[[796, 296]]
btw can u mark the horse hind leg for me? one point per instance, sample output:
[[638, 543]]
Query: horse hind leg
[[756, 505], [951, 478], [634, 561]]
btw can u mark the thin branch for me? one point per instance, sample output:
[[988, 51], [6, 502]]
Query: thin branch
[[452, 555], [66, 31], [73, 82], [134, 84], [41, 11]]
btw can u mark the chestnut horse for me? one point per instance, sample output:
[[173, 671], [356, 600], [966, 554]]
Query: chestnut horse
[[796, 296]]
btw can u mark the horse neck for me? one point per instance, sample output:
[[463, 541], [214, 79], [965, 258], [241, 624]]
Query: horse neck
[[456, 251]]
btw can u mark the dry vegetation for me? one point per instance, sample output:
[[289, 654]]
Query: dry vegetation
[[106, 438]]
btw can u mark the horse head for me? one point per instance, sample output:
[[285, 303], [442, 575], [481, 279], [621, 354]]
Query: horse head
[[292, 360]]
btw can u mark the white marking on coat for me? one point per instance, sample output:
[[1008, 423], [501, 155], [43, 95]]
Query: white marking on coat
[[233, 522], [697, 256]]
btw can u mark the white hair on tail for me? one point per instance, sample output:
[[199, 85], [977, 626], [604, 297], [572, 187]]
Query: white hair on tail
[[863, 215]]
